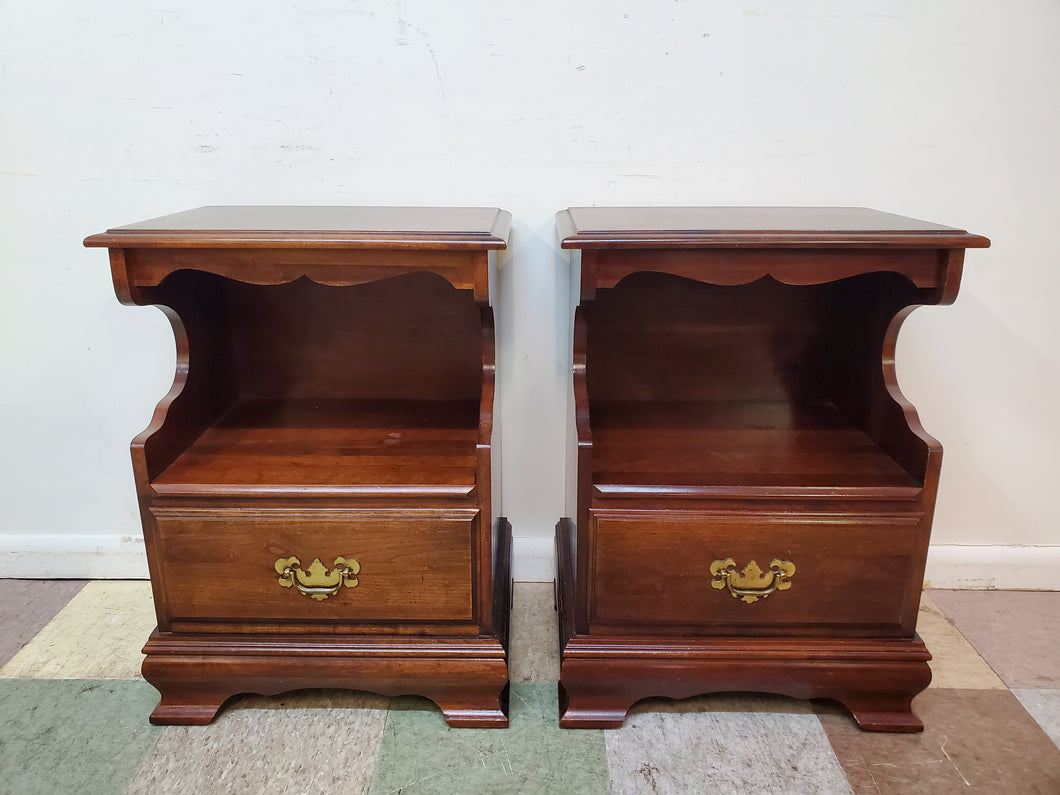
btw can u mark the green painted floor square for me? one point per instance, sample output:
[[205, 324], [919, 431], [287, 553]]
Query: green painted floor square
[[420, 754], [83, 736]]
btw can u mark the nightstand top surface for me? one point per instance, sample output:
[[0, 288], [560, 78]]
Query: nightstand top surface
[[640, 227], [354, 227]]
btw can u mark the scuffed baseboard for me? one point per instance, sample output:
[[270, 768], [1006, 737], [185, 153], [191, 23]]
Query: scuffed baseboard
[[46, 556], [1009, 568], [116, 557], [533, 559]]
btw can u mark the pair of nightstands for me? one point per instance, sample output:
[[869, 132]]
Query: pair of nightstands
[[319, 491]]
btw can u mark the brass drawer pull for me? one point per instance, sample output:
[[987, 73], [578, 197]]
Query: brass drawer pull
[[751, 584], [317, 582]]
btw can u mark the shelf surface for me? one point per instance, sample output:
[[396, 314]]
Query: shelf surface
[[738, 449], [341, 447]]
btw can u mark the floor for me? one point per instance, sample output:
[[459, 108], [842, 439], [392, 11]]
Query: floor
[[73, 718]]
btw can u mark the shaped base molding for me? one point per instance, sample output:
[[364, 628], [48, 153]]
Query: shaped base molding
[[196, 675], [601, 678]]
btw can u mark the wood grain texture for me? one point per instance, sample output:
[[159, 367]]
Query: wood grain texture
[[726, 447], [603, 675], [331, 446], [734, 395], [650, 571], [769, 227], [316, 227], [334, 397], [195, 677], [414, 565]]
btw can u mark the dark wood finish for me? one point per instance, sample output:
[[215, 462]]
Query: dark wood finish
[[765, 227], [332, 446], [334, 397], [212, 561], [841, 554], [734, 396], [196, 675]]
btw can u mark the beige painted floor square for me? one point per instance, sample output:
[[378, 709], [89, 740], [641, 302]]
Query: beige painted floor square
[[534, 655], [954, 662], [722, 743], [98, 635], [309, 741]]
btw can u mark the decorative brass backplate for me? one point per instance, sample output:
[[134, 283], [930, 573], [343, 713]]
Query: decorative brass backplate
[[752, 583], [317, 582]]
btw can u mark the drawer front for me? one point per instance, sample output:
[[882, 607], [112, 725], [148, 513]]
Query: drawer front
[[813, 571], [374, 566]]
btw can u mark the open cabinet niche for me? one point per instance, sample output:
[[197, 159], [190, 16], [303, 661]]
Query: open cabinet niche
[[372, 379], [754, 384]]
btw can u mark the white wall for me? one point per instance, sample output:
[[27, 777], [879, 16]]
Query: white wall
[[115, 112]]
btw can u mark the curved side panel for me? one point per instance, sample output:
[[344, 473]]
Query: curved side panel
[[907, 409], [932, 464], [585, 466], [199, 394], [489, 378], [484, 474], [581, 388], [950, 268], [120, 275], [143, 440]]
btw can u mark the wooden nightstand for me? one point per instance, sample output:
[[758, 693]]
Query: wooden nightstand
[[753, 496], [317, 490]]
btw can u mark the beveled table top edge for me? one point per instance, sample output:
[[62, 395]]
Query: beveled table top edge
[[273, 226], [763, 227]]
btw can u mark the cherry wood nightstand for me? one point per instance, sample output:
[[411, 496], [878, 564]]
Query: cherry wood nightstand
[[318, 491], [753, 496]]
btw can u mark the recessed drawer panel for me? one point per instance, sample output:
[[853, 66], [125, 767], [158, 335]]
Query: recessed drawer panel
[[316, 565], [717, 574]]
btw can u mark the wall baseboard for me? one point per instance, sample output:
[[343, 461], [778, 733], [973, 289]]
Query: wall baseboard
[[115, 557], [962, 566], [46, 556], [973, 566], [533, 559]]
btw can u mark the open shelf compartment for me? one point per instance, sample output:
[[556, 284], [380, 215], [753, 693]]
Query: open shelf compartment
[[322, 390], [759, 389]]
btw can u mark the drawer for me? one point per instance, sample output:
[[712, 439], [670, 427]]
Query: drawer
[[648, 570], [400, 566]]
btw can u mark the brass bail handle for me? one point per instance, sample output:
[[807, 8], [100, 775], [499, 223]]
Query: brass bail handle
[[316, 581], [751, 584]]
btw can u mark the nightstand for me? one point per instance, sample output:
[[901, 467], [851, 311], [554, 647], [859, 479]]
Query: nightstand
[[752, 498], [318, 490]]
